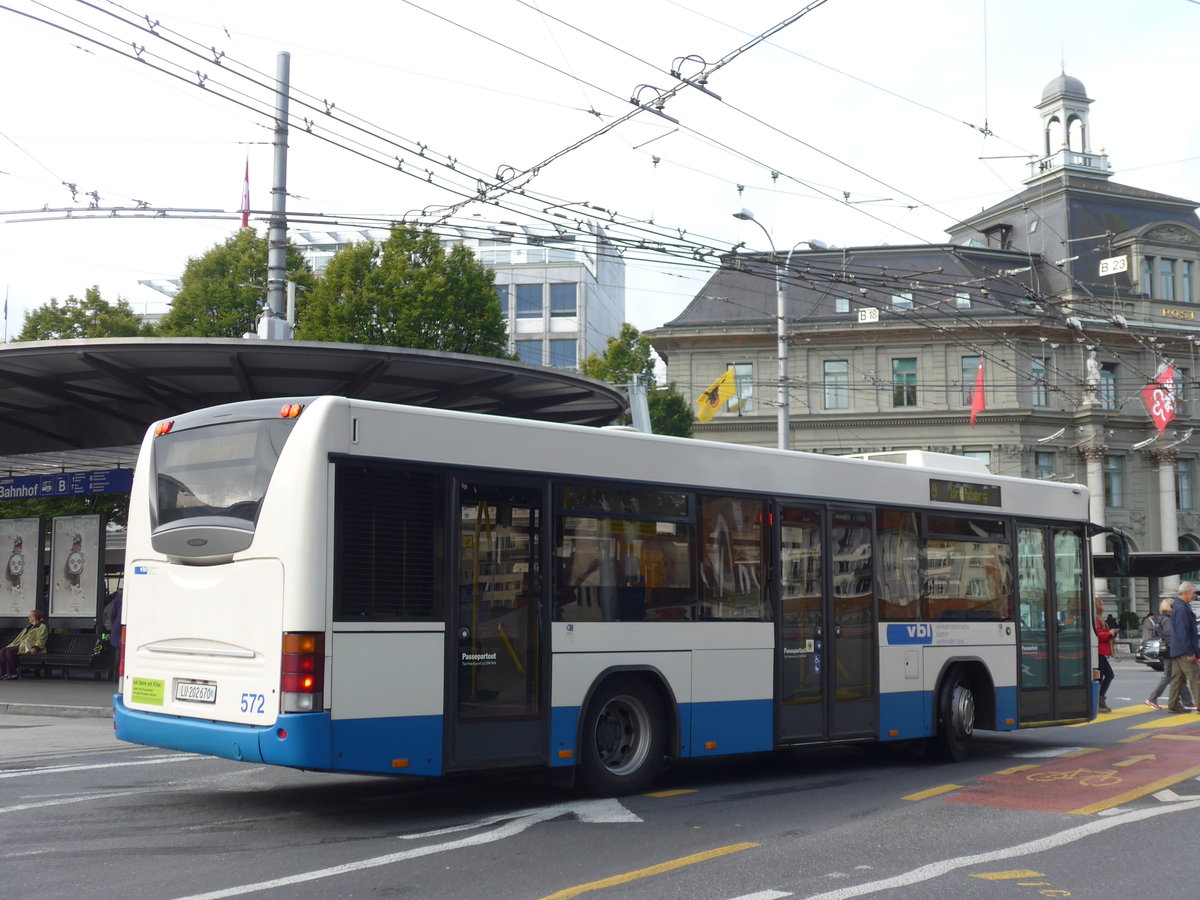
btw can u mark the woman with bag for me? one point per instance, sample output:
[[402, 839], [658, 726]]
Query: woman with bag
[[1104, 639], [31, 639]]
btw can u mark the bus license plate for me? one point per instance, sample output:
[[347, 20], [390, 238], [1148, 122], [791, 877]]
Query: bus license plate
[[196, 691]]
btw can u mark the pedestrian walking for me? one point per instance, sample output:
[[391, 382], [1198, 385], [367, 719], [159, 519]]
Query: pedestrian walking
[[1160, 627], [1184, 647]]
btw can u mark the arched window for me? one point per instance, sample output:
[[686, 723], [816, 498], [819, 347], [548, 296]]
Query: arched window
[[1076, 137]]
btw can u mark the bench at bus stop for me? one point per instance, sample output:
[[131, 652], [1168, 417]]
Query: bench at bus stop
[[66, 653]]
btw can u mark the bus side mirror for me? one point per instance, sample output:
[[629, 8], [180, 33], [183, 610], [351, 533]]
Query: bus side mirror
[[1120, 547]]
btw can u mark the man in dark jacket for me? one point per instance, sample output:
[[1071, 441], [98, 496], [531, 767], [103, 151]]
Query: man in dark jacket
[[1184, 647]]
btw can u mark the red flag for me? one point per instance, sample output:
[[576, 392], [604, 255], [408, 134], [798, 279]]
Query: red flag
[[977, 404], [246, 196], [1159, 396]]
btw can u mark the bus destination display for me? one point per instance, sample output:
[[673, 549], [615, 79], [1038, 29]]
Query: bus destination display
[[964, 492]]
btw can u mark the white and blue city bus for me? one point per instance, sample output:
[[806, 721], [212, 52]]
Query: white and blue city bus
[[350, 586]]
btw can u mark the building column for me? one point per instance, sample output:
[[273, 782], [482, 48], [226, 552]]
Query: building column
[[1168, 517], [1093, 452]]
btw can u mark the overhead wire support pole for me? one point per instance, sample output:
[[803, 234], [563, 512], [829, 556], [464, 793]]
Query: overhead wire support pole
[[275, 314], [783, 423]]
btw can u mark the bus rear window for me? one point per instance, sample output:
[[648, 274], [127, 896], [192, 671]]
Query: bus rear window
[[217, 470]]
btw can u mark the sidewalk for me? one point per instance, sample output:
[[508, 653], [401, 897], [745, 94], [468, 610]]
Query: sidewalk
[[72, 697]]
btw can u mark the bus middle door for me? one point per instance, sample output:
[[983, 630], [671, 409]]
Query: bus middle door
[[495, 635], [826, 655]]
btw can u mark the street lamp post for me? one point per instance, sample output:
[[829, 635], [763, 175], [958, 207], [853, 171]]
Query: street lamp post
[[783, 425]]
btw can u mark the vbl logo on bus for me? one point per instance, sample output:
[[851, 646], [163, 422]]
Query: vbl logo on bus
[[910, 634]]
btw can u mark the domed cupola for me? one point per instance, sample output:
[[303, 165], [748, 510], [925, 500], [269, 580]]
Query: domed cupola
[[1066, 134]]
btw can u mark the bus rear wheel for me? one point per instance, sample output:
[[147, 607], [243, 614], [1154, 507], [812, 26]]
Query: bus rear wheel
[[624, 738], [956, 719]]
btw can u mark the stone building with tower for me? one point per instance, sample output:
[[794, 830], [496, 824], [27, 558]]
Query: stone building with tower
[[1074, 295]]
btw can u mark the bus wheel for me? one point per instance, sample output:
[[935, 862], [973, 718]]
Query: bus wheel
[[956, 719], [623, 738]]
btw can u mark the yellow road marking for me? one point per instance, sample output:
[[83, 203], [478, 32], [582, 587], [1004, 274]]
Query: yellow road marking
[[662, 795], [933, 792], [1136, 737], [1173, 737], [1010, 875], [1015, 769], [647, 872], [1171, 720], [1134, 760], [1082, 751], [1124, 712], [1151, 788]]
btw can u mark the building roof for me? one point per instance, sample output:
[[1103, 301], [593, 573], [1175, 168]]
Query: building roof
[[742, 291], [87, 403]]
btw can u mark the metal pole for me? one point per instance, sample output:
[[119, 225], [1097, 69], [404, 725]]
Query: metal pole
[[784, 424], [277, 235]]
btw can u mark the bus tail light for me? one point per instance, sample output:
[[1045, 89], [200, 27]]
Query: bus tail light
[[302, 672], [121, 657]]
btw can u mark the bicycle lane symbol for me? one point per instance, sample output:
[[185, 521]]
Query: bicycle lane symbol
[[1084, 777]]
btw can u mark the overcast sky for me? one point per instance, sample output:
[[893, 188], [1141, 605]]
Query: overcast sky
[[860, 123]]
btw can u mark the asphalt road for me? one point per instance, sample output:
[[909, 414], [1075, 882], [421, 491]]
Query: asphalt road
[[1089, 811]]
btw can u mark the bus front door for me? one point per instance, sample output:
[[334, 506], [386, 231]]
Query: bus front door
[[495, 635], [1055, 650], [826, 654]]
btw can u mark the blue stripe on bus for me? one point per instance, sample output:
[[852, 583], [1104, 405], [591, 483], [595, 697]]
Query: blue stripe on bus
[[313, 740], [375, 745], [735, 726], [564, 722], [910, 714], [1006, 708], [228, 741]]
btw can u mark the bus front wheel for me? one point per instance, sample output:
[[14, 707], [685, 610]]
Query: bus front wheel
[[956, 719], [624, 738]]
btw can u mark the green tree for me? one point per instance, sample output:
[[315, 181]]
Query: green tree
[[114, 506], [628, 354], [406, 292], [222, 293], [91, 317]]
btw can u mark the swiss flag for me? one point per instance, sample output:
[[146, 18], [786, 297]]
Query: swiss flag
[[1159, 396], [977, 404]]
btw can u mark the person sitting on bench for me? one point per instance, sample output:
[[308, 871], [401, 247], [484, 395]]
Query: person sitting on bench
[[31, 639]]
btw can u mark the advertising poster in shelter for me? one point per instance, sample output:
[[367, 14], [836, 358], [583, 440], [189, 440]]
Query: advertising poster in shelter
[[21, 553], [76, 566]]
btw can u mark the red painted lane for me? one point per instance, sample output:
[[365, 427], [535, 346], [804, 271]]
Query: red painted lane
[[1088, 782]]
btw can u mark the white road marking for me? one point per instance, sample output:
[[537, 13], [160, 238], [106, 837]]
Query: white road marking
[[56, 770], [80, 798], [514, 824], [937, 869], [763, 895], [1053, 751]]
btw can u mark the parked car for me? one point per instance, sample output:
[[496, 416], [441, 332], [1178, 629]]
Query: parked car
[[1147, 653]]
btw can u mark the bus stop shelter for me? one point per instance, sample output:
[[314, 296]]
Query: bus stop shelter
[[85, 404]]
